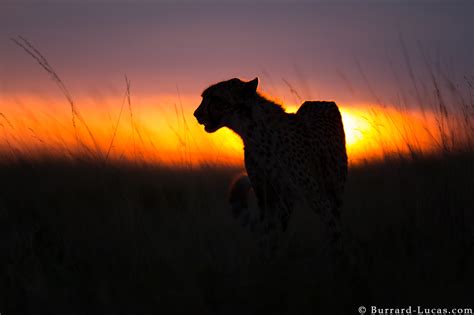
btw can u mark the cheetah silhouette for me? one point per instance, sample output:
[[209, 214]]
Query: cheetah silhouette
[[289, 158]]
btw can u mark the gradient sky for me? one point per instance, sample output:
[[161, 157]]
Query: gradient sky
[[353, 52], [315, 46]]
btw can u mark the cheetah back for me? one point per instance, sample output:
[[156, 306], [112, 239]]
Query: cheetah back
[[323, 125]]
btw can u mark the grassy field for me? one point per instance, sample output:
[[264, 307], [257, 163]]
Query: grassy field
[[78, 237], [96, 236]]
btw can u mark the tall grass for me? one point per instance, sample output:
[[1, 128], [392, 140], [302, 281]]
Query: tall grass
[[450, 103], [43, 62]]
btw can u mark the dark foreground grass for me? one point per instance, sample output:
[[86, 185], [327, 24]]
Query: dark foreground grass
[[84, 238]]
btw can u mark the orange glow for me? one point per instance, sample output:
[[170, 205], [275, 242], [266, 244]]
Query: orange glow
[[162, 129]]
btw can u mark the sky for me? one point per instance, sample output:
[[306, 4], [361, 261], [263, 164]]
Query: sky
[[353, 52], [317, 46]]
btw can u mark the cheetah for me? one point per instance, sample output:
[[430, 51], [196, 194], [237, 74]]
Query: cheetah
[[289, 157]]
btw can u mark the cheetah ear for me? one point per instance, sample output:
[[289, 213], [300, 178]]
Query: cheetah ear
[[251, 86]]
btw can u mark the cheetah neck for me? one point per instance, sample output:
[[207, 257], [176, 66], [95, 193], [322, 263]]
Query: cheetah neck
[[257, 119]]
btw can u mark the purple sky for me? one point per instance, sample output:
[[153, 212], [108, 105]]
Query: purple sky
[[314, 46]]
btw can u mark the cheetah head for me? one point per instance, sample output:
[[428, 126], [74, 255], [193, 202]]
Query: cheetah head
[[221, 102]]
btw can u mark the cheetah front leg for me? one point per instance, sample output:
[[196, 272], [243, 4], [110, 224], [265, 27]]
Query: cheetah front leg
[[274, 208]]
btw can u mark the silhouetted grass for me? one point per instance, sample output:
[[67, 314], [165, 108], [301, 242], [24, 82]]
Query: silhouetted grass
[[81, 238]]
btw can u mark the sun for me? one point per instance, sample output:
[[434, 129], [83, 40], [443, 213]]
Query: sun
[[355, 126]]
